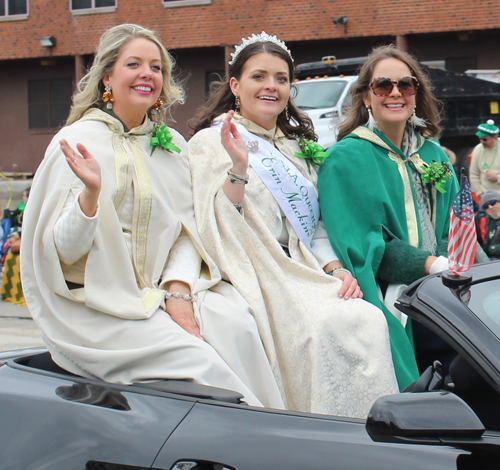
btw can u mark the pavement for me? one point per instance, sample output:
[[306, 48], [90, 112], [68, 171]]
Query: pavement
[[17, 328], [17, 187]]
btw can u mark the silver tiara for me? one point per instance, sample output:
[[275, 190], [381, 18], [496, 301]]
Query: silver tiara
[[262, 37]]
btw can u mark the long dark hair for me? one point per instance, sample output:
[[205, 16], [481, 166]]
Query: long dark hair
[[221, 99], [426, 102]]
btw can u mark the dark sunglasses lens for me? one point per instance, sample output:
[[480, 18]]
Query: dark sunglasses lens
[[489, 203], [407, 86], [382, 86]]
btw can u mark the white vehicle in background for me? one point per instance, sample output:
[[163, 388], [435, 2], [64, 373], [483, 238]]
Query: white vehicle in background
[[325, 101], [324, 94]]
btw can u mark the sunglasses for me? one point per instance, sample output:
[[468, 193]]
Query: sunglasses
[[484, 139], [489, 203], [382, 86]]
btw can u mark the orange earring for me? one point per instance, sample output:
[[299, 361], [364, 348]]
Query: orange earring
[[107, 97], [156, 106]]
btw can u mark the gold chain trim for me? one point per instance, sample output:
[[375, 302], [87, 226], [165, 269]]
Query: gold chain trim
[[411, 214], [143, 196]]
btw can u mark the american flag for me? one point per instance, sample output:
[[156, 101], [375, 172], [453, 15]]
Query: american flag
[[462, 240]]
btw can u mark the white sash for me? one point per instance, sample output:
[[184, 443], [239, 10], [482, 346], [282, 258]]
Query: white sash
[[293, 192]]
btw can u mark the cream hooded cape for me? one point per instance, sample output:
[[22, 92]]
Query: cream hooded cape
[[328, 355], [113, 328]]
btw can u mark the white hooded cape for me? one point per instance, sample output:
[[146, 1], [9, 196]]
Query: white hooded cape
[[113, 328], [328, 355]]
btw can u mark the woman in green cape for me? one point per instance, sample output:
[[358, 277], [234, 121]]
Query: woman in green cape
[[399, 186]]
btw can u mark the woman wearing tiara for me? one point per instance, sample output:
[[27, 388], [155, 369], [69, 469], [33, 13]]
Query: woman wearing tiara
[[257, 213]]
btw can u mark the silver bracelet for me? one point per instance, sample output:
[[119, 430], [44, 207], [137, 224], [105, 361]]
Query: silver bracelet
[[338, 270], [234, 178], [178, 295]]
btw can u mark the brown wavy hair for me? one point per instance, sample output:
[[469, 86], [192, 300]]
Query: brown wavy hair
[[221, 99], [427, 104]]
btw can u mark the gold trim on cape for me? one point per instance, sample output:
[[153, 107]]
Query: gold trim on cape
[[411, 213], [121, 157], [143, 192], [143, 201], [121, 163], [151, 298]]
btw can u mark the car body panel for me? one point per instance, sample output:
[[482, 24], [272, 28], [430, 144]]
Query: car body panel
[[53, 423], [51, 419], [438, 307], [251, 439]]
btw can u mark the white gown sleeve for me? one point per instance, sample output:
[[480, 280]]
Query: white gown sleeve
[[320, 246], [184, 262], [74, 232]]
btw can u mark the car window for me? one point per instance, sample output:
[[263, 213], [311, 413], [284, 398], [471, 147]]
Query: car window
[[318, 94], [347, 103], [483, 299]]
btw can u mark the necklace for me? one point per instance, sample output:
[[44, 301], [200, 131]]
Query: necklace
[[486, 165]]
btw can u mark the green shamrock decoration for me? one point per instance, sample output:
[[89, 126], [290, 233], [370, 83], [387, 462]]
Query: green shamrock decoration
[[312, 151], [163, 138], [437, 174]]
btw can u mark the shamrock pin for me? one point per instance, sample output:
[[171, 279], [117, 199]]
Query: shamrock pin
[[163, 138], [312, 151], [437, 174]]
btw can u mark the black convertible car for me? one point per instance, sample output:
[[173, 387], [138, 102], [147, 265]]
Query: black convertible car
[[50, 419]]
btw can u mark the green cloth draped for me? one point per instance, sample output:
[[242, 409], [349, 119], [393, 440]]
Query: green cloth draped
[[362, 200]]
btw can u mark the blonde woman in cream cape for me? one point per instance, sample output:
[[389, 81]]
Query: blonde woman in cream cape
[[96, 268], [328, 348]]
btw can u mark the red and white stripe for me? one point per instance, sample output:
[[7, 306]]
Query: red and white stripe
[[462, 238]]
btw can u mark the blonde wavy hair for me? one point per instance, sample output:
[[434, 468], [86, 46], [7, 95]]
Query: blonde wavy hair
[[90, 88]]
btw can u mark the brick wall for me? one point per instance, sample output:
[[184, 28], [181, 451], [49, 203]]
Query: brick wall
[[226, 21]]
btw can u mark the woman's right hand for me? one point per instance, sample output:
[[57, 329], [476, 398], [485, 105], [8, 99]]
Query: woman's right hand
[[85, 166], [234, 144]]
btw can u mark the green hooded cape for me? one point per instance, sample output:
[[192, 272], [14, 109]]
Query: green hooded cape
[[366, 193]]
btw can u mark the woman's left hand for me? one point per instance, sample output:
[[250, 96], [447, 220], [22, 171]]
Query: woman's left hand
[[350, 288], [182, 311]]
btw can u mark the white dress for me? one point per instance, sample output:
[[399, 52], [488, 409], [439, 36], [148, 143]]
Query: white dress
[[328, 355], [143, 236]]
